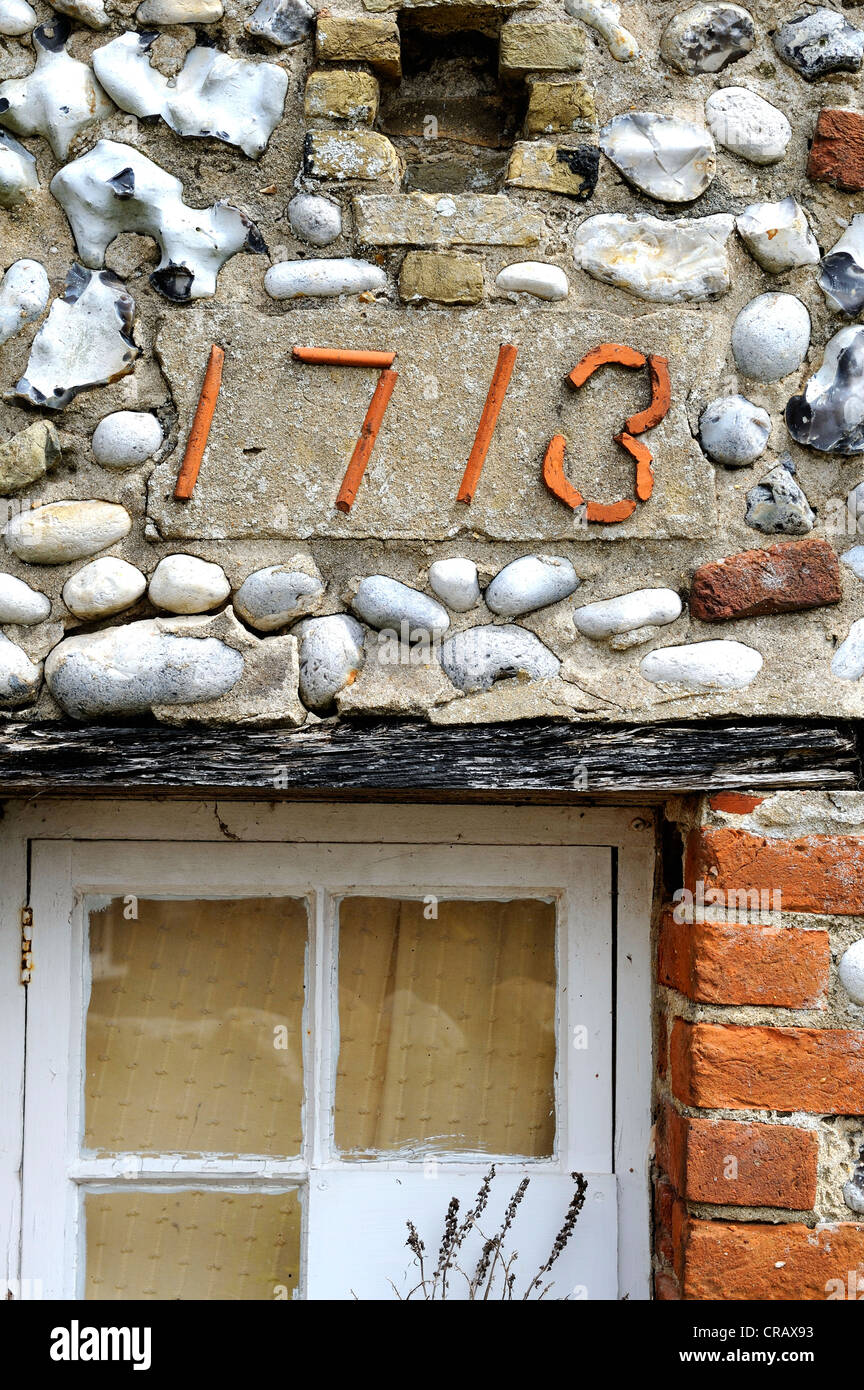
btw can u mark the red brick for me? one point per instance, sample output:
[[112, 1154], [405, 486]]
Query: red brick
[[837, 152], [722, 963], [774, 1165], [730, 1261], [736, 803], [819, 873], [783, 578], [665, 1286], [818, 1070]]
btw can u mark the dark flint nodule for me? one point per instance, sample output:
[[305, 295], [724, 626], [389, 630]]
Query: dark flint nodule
[[123, 183], [820, 417], [174, 282], [727, 35], [843, 278], [53, 35]]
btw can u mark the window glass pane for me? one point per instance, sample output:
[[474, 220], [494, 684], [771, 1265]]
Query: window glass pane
[[194, 1027], [182, 1245], [447, 1026]]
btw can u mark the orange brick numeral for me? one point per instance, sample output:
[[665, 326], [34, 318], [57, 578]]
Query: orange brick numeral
[[349, 357], [488, 420], [609, 513]]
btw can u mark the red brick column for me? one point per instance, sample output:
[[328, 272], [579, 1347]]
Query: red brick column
[[753, 1065]]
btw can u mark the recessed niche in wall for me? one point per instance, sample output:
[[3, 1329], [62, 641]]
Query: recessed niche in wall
[[453, 119]]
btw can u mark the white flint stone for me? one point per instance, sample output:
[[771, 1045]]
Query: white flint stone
[[281, 22], [314, 219], [851, 972], [476, 658], [778, 235], [64, 531], [327, 278], [734, 431], [273, 597], [534, 277], [23, 295], [456, 583], [85, 341], [126, 438], [666, 262], [747, 125], [89, 12], [854, 559], [102, 588], [131, 668], [628, 613], [59, 99], [185, 584], [667, 157], [847, 663], [19, 676], [853, 1192], [703, 666], [532, 581], [114, 188], [229, 99], [331, 657], [386, 603], [706, 38], [21, 604], [770, 336], [16, 18], [605, 17], [179, 12], [18, 175]]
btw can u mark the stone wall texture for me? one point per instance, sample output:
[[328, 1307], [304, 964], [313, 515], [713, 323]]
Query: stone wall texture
[[429, 182]]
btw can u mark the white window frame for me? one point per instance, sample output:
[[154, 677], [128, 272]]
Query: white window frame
[[627, 835]]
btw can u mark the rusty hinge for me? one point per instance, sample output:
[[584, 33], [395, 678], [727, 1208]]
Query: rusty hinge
[[26, 945]]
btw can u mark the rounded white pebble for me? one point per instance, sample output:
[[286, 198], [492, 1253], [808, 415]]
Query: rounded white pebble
[[325, 279], [748, 125], [851, 971], [770, 336], [103, 587], [64, 531], [734, 431], [455, 582], [185, 584], [534, 277], [126, 439], [703, 666], [16, 18], [628, 612], [21, 604], [315, 220], [532, 581]]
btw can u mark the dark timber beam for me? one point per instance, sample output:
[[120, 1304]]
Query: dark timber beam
[[536, 760]]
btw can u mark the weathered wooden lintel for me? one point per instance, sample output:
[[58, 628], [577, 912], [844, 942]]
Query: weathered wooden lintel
[[538, 760]]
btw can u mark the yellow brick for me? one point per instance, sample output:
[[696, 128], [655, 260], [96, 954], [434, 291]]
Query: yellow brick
[[446, 278], [350, 154], [550, 46], [366, 39], [559, 105], [342, 94]]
